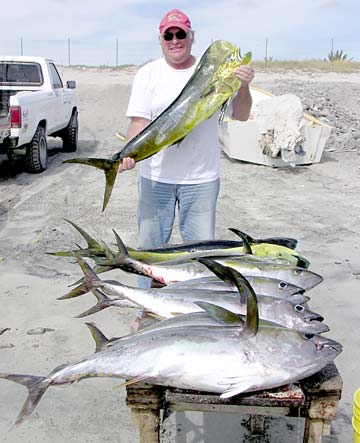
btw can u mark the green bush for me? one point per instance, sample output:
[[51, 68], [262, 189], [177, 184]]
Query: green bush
[[338, 56]]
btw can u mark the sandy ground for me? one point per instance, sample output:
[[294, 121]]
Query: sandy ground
[[317, 204]]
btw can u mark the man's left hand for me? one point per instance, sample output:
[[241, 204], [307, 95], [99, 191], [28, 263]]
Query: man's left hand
[[245, 73]]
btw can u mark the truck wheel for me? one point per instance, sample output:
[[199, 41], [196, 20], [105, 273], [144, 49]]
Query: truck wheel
[[36, 157], [70, 134]]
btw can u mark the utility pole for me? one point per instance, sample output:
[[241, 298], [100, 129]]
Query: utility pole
[[69, 63], [21, 46], [266, 52], [117, 52]]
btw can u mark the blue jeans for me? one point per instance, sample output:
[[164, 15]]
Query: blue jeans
[[156, 211]]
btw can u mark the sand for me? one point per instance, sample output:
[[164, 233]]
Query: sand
[[317, 204]]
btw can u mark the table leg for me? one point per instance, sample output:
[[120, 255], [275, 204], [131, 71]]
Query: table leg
[[313, 430], [148, 421]]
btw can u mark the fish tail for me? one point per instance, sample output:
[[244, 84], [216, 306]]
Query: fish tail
[[36, 387], [103, 302], [110, 168], [89, 282], [92, 244]]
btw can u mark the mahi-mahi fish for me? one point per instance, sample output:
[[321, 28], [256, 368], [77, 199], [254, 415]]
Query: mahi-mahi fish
[[209, 88], [270, 248], [226, 360]]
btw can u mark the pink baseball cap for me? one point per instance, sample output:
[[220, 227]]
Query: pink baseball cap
[[175, 18]]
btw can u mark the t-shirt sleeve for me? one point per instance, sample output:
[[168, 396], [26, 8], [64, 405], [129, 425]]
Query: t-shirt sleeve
[[140, 97]]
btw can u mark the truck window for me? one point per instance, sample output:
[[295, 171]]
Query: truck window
[[15, 73], [56, 80]]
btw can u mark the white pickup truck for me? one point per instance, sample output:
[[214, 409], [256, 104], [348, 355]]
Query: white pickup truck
[[34, 104]]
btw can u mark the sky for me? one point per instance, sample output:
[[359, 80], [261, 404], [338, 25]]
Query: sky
[[117, 32]]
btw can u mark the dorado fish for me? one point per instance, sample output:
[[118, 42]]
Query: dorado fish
[[168, 303], [225, 360], [170, 272], [266, 248], [210, 87]]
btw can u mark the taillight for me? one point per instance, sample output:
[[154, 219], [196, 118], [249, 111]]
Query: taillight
[[15, 117]]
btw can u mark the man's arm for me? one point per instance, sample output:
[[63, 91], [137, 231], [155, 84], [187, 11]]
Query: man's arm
[[137, 124], [242, 102]]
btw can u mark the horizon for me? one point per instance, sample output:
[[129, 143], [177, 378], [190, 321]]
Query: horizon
[[90, 36]]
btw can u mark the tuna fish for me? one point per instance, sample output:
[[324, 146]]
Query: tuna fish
[[167, 303], [227, 360]]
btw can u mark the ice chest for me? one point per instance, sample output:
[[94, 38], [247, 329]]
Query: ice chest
[[240, 140]]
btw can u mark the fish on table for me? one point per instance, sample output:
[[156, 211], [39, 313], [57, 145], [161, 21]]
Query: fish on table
[[167, 303], [227, 360]]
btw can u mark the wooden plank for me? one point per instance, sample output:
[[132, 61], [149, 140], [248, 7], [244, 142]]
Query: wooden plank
[[313, 431], [148, 422]]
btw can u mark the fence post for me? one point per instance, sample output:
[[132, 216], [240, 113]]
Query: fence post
[[117, 52], [69, 63]]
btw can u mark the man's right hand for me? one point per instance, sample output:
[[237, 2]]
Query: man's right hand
[[126, 164]]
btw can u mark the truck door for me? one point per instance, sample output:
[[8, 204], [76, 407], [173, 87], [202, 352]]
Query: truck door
[[61, 110]]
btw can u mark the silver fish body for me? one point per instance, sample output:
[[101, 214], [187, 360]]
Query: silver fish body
[[261, 285], [170, 273], [222, 360], [169, 303]]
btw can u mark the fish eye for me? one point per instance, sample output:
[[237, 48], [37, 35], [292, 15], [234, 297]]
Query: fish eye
[[299, 308], [298, 271], [308, 336], [282, 285]]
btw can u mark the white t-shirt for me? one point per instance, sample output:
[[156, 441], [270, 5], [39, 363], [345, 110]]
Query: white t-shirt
[[196, 159]]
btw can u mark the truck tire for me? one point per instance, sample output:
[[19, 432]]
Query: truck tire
[[70, 134], [36, 156]]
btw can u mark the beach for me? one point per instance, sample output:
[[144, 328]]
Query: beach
[[317, 204]]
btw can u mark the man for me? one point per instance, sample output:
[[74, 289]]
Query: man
[[187, 174]]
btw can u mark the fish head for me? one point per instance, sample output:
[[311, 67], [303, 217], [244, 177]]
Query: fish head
[[317, 350], [287, 289], [306, 279], [303, 352], [233, 59], [308, 321]]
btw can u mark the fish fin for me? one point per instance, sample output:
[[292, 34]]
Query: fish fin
[[223, 110], [108, 252], [132, 381], [252, 311], [236, 389], [120, 136], [287, 242], [90, 281], [245, 238], [302, 262], [221, 271], [99, 338], [110, 168], [36, 387], [65, 253], [159, 317], [120, 244], [112, 260], [246, 59], [220, 314]]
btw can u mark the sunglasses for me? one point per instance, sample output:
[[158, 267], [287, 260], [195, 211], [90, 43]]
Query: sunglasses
[[180, 35]]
